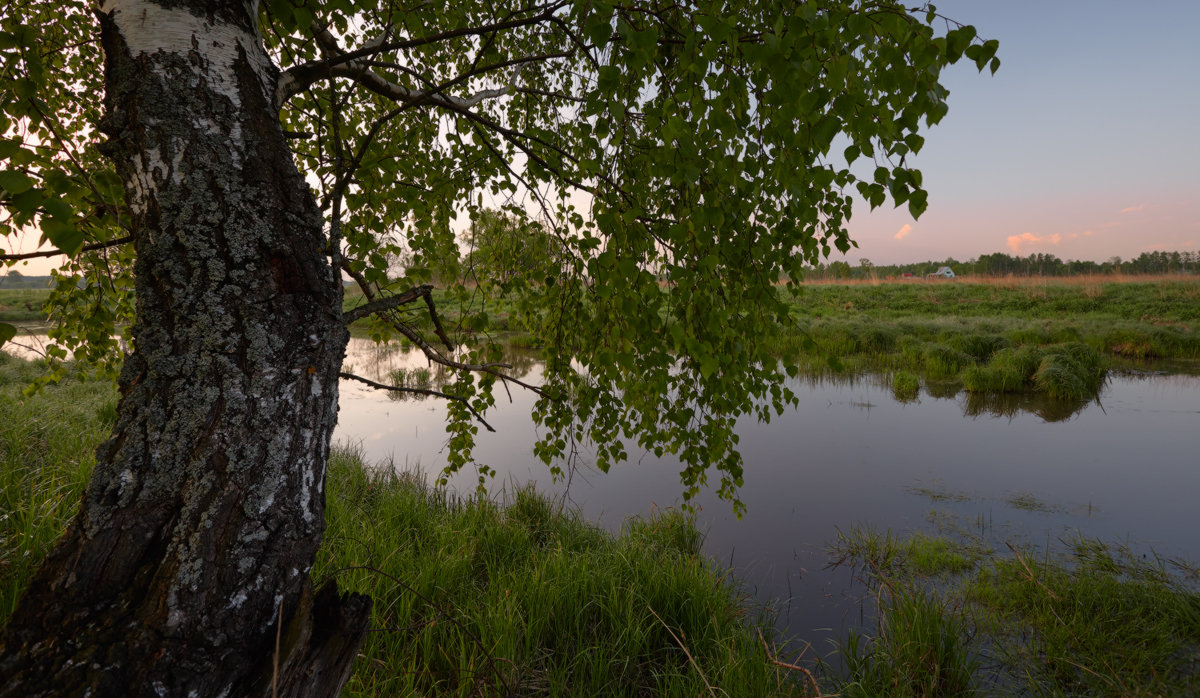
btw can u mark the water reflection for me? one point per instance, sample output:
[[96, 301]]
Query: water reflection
[[1121, 468], [1012, 404]]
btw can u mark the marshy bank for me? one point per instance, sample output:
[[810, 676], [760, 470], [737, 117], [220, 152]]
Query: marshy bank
[[521, 593], [473, 596]]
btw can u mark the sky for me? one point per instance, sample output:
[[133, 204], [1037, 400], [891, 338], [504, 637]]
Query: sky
[[1085, 144]]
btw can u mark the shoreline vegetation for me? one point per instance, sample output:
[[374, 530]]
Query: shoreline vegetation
[[1048, 337], [483, 597]]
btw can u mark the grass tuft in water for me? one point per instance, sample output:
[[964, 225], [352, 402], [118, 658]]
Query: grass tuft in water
[[906, 387], [1101, 622], [920, 649], [1096, 620]]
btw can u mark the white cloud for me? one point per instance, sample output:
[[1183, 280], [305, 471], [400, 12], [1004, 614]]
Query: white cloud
[[903, 232]]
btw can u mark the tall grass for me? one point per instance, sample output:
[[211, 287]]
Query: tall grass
[[46, 456], [477, 597], [919, 650]]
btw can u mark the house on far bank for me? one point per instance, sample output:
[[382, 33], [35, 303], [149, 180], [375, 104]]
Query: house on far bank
[[942, 273]]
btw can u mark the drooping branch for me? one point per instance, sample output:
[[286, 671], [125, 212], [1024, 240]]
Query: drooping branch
[[420, 391]]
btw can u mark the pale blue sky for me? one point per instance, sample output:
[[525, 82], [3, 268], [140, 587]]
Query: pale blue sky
[[1083, 145]]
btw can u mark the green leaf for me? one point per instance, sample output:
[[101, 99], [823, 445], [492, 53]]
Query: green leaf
[[7, 332], [15, 182], [8, 148], [63, 235], [917, 203]]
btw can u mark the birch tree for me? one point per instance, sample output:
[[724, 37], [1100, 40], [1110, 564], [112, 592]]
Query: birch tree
[[214, 170]]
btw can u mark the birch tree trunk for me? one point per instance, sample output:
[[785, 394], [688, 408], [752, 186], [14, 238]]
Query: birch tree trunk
[[200, 525]]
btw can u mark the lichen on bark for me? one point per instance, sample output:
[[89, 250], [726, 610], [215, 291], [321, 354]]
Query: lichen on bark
[[206, 508]]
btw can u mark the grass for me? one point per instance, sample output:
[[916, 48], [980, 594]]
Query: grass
[[957, 619], [477, 597], [46, 457], [920, 649], [22, 304]]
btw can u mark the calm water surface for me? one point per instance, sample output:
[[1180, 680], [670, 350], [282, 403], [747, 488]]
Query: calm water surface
[[1124, 468]]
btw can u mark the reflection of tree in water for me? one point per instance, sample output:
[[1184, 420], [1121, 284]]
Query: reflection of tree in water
[[1013, 404], [404, 366]]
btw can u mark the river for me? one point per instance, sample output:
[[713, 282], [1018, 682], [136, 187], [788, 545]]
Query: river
[[1124, 468]]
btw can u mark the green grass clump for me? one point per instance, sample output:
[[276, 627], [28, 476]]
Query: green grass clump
[[886, 556], [938, 555], [1072, 371], [1102, 622], [1093, 621], [980, 347], [920, 650], [473, 597], [905, 386]]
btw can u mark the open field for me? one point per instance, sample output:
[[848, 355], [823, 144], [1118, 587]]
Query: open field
[[22, 304], [1057, 337]]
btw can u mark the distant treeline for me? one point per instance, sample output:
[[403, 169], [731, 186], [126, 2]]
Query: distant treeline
[[1001, 264], [15, 279]]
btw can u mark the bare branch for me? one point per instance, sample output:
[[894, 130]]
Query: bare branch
[[297, 78], [52, 253], [384, 304], [420, 391], [358, 279]]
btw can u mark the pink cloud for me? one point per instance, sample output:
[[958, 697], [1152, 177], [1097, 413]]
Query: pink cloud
[[903, 232], [1017, 242], [1133, 209]]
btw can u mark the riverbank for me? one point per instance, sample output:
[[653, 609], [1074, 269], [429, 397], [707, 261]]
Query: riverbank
[[518, 595], [472, 596]]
